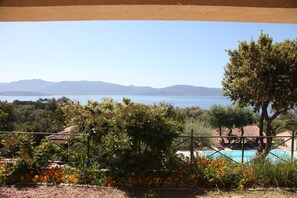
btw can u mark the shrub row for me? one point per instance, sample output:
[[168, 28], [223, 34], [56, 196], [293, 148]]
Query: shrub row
[[202, 173]]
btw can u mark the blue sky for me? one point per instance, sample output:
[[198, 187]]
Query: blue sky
[[141, 53]]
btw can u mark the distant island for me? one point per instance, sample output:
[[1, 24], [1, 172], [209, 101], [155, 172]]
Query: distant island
[[37, 87]]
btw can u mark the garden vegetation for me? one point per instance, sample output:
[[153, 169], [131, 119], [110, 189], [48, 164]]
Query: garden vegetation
[[130, 145], [126, 144]]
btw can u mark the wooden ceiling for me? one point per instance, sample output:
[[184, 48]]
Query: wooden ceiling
[[271, 11]]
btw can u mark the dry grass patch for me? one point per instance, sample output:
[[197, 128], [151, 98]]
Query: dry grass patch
[[69, 191]]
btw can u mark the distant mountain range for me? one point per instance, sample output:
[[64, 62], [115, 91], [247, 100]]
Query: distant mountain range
[[37, 87]]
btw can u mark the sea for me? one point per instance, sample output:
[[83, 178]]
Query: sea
[[204, 102]]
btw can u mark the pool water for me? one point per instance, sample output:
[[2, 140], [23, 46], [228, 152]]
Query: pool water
[[248, 154]]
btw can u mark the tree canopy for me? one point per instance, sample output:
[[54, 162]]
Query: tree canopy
[[229, 117], [263, 74]]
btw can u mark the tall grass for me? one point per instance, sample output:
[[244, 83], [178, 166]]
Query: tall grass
[[278, 174], [200, 128]]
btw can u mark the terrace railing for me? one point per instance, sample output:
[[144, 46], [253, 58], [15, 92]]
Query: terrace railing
[[193, 143], [241, 143]]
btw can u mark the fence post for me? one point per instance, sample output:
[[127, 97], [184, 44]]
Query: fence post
[[192, 145], [88, 149], [242, 149], [293, 144]]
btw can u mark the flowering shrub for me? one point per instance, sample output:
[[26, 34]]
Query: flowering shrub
[[17, 173], [6, 195], [53, 175], [6, 171], [203, 172], [225, 173]]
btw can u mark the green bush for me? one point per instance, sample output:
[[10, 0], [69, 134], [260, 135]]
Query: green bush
[[125, 136], [46, 151]]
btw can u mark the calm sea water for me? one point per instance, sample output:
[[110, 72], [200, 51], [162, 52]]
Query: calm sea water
[[204, 102]]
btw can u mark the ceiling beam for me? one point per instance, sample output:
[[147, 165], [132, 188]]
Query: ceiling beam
[[271, 11]]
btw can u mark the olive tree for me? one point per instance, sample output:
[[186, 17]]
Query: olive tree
[[216, 116], [229, 117], [263, 74]]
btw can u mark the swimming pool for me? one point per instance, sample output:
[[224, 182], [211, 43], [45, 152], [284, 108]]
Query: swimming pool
[[248, 154]]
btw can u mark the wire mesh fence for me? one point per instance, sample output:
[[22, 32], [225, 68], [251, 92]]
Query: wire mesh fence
[[240, 149]]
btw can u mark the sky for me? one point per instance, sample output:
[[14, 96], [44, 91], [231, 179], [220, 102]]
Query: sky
[[139, 53]]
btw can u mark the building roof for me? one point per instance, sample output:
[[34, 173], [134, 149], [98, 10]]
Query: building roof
[[285, 133], [62, 136]]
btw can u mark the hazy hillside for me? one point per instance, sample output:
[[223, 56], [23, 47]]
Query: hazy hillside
[[2, 84], [41, 87], [22, 93], [187, 90], [34, 85], [93, 88]]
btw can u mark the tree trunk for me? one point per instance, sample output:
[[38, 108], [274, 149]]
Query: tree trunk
[[261, 126], [268, 133], [229, 134], [139, 148], [268, 127], [242, 132], [220, 133]]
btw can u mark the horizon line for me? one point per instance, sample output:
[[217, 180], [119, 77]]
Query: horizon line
[[108, 82]]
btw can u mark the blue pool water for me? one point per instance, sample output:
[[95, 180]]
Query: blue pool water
[[249, 155]]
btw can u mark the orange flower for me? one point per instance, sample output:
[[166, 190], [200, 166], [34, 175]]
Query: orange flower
[[169, 179], [241, 187], [139, 180], [218, 172], [7, 169], [45, 178], [161, 180], [51, 172], [150, 182], [1, 163], [245, 174], [73, 177], [130, 180]]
